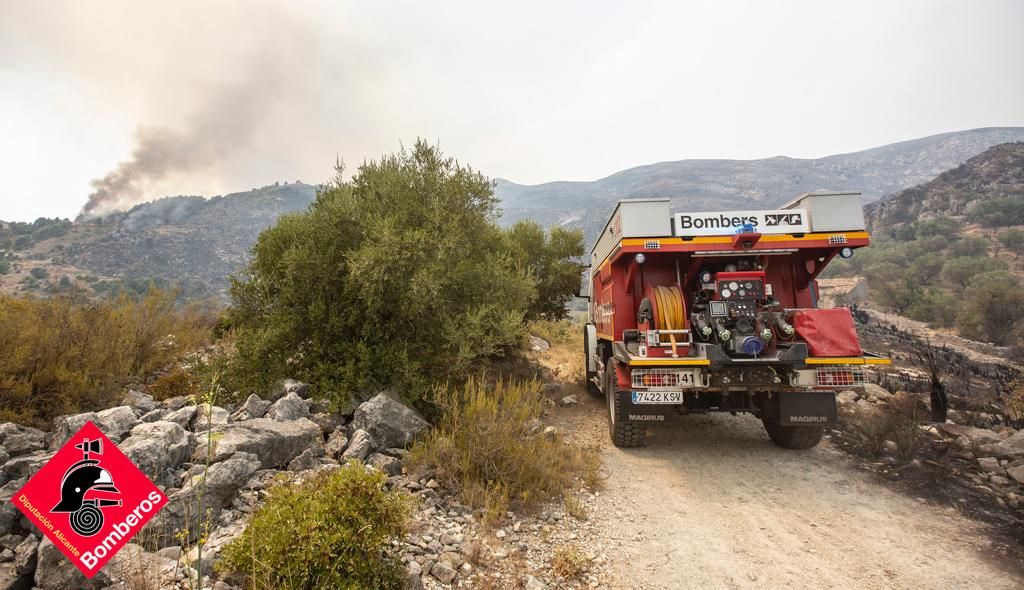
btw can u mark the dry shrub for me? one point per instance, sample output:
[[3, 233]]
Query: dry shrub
[[568, 562], [870, 428], [899, 421], [574, 506], [175, 383], [565, 356], [483, 447], [61, 355]]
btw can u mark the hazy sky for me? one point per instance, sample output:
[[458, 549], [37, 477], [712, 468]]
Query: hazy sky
[[217, 97]]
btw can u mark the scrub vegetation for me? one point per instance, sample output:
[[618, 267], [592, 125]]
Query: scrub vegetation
[[63, 355]]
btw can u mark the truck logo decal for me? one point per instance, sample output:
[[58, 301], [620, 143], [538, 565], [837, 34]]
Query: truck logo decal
[[814, 419], [646, 418], [711, 223]]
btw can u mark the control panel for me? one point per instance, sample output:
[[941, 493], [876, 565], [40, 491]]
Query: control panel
[[733, 286]]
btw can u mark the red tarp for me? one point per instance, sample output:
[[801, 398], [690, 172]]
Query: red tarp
[[827, 332]]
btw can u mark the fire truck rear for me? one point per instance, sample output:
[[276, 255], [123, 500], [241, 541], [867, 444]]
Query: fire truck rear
[[717, 312]]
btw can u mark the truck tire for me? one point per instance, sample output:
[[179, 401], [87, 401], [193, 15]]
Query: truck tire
[[625, 435], [792, 437]]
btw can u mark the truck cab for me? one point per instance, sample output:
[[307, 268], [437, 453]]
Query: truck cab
[[717, 312]]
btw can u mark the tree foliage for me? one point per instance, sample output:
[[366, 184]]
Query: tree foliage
[[553, 260], [398, 277], [991, 308]]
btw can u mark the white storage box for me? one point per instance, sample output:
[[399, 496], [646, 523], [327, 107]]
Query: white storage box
[[831, 212]]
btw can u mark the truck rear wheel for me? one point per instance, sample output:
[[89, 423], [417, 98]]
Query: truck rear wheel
[[792, 437], [624, 434]]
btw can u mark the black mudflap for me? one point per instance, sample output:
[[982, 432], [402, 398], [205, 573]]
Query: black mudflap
[[644, 413], [812, 408]]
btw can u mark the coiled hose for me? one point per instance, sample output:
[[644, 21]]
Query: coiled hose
[[670, 311]]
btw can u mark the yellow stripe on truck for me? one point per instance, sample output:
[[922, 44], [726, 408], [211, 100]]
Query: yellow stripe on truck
[[849, 360], [633, 362]]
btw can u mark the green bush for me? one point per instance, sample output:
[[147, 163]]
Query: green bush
[[553, 260], [961, 271], [993, 308], [332, 531], [1003, 212], [487, 446], [1011, 239], [397, 278], [39, 273]]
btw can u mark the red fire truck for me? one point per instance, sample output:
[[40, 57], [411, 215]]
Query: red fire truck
[[717, 312]]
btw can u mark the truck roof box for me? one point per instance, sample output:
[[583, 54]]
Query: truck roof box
[[634, 218], [831, 211]]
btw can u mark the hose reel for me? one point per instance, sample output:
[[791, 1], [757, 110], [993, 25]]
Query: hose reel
[[667, 310]]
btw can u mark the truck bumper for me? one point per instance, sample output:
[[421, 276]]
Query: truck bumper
[[791, 408]]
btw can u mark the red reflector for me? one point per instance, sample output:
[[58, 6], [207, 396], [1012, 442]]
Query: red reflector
[[660, 379]]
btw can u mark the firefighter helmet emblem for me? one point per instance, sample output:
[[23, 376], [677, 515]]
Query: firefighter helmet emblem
[[83, 479]]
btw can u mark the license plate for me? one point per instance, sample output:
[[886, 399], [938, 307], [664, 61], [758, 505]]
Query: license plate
[[657, 397]]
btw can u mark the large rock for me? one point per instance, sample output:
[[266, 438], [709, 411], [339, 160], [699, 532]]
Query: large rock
[[389, 465], [1016, 473], [274, 443], [1010, 448], [254, 407], [358, 448], [978, 436], [25, 555], [217, 487], [9, 515], [116, 423], [27, 465], [137, 568], [20, 440], [337, 442], [389, 422], [289, 407], [55, 572], [182, 416], [10, 579], [142, 402], [207, 417], [870, 389], [156, 447]]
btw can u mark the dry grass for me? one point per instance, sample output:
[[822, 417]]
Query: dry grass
[[483, 447], [565, 357], [574, 506], [568, 562], [63, 356]]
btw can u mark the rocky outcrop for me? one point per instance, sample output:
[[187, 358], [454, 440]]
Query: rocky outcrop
[[389, 422], [214, 480], [275, 443]]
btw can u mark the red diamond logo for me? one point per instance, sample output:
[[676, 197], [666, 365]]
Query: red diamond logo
[[89, 499]]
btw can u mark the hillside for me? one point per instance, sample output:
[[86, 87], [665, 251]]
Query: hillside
[[979, 189], [739, 184], [948, 252], [191, 242]]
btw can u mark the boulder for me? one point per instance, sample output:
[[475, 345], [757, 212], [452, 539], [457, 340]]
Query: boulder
[[389, 422], [538, 344], [358, 447], [153, 415], [10, 516], [309, 459], [142, 402], [158, 446], [253, 407], [182, 416], [208, 416], [138, 568], [1010, 448], [286, 386], [390, 466], [27, 465], [990, 465], [55, 572], [1016, 473], [25, 555], [327, 421], [10, 579], [846, 397], [870, 389], [978, 436], [176, 403], [217, 487], [275, 443], [21, 440], [443, 572], [336, 443], [289, 407], [116, 423]]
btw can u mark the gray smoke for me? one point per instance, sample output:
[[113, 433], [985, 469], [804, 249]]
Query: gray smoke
[[223, 121]]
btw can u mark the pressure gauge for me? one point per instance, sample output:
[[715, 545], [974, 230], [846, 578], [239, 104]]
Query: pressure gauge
[[734, 285], [726, 293], [743, 293], [748, 285]]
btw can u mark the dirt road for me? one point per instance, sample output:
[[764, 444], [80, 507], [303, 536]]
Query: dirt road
[[711, 503]]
